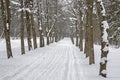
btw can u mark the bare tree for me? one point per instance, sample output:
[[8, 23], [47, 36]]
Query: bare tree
[[89, 33], [40, 23], [33, 26], [104, 36], [6, 16], [28, 25], [22, 28], [77, 34]]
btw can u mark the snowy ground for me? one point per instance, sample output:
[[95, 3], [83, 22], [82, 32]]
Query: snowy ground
[[58, 61]]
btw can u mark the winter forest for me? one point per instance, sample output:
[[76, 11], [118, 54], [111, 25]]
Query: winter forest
[[59, 39]]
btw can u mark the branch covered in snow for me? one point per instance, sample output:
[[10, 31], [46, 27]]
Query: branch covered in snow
[[16, 3], [24, 9]]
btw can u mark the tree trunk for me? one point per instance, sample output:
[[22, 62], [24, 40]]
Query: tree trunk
[[40, 24], [91, 54], [6, 21], [104, 36], [81, 34], [22, 29], [47, 23], [33, 27], [77, 35], [89, 33], [28, 26], [56, 27], [33, 32]]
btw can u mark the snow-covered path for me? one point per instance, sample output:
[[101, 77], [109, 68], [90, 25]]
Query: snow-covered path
[[59, 61]]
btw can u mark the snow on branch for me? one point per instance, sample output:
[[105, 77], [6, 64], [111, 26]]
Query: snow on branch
[[51, 27], [16, 3], [24, 9]]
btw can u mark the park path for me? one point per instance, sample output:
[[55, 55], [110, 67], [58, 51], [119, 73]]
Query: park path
[[58, 61]]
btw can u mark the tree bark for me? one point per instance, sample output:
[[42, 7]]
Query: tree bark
[[81, 33], [6, 16], [47, 23], [33, 28], [28, 26], [104, 43], [89, 33], [22, 29], [40, 24], [77, 35]]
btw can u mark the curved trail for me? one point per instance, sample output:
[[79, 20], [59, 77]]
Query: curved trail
[[57, 63]]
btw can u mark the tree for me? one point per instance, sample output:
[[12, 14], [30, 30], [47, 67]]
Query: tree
[[47, 21], [22, 28], [56, 26], [32, 25], [28, 25], [6, 16], [104, 36], [77, 34], [81, 33], [40, 23], [89, 50], [81, 18]]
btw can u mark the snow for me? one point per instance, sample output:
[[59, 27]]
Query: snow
[[105, 34], [14, 2], [103, 11], [58, 61], [103, 8], [40, 28], [106, 48], [24, 9], [105, 24], [104, 72], [103, 60], [7, 25]]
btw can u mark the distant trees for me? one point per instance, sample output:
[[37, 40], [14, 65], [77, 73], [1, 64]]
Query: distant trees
[[34, 18], [84, 11], [113, 14]]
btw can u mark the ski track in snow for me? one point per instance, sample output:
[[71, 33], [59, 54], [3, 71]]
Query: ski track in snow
[[60, 62]]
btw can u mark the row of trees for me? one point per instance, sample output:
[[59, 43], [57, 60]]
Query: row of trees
[[36, 18], [87, 13]]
